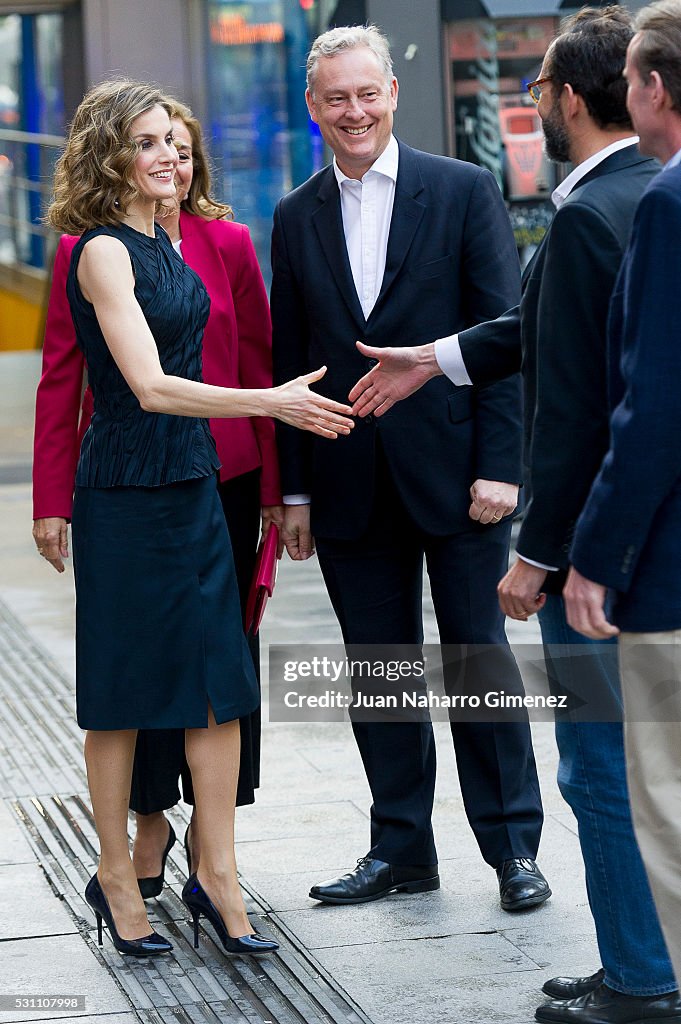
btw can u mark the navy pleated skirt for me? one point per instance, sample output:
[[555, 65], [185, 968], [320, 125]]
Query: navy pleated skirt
[[158, 620]]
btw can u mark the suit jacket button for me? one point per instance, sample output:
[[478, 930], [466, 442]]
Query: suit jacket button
[[373, 362], [369, 418]]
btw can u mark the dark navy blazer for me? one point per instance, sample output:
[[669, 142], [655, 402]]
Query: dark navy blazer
[[629, 534], [451, 263], [560, 332]]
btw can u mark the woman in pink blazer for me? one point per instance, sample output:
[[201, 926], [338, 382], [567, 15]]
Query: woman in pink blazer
[[236, 353]]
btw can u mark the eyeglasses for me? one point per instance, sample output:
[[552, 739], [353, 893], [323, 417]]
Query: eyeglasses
[[534, 88]]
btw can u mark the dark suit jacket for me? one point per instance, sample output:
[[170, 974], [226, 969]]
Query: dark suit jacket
[[629, 534], [559, 332], [451, 262]]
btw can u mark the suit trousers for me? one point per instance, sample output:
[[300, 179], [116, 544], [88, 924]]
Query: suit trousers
[[159, 754], [650, 666], [375, 585], [592, 780]]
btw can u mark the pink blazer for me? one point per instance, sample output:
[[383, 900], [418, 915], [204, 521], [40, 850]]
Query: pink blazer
[[237, 347]]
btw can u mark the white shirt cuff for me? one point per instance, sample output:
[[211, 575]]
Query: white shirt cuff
[[449, 359], [296, 499], [531, 561]]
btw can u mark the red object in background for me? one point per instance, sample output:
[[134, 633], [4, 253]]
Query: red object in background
[[526, 170], [264, 578], [307, 5]]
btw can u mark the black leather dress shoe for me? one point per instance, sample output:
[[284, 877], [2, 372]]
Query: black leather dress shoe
[[605, 1006], [572, 988], [521, 884], [373, 879]]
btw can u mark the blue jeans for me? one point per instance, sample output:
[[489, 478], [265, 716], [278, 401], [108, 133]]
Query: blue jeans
[[591, 778]]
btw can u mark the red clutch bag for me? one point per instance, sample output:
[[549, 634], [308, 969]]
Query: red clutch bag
[[262, 584]]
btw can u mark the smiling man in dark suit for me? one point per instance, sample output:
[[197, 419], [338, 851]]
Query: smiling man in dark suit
[[559, 334], [394, 246]]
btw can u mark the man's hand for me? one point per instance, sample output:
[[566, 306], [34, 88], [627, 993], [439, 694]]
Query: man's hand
[[273, 514], [399, 373], [491, 500], [51, 536], [584, 602], [296, 532], [519, 590]]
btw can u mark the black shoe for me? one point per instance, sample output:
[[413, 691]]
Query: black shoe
[[199, 902], [152, 886], [190, 870], [572, 988], [148, 945], [372, 879], [521, 884], [605, 1006]]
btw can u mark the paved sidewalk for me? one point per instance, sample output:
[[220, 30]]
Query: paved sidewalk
[[451, 955]]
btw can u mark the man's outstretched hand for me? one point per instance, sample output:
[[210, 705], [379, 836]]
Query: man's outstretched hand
[[399, 373]]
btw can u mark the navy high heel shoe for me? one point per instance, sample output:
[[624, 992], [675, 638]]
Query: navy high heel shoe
[[148, 945], [152, 886], [187, 851], [198, 902]]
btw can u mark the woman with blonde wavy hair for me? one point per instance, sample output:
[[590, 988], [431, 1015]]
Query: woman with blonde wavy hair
[[236, 353], [158, 633]]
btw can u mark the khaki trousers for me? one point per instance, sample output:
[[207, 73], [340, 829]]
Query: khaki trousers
[[650, 668]]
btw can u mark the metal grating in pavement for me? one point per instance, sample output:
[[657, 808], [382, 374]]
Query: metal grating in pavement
[[43, 776]]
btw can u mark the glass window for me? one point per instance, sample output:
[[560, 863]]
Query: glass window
[[262, 140], [31, 101], [494, 120]]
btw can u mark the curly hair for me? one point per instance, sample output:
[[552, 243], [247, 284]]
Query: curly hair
[[589, 53], [93, 181], [199, 200]]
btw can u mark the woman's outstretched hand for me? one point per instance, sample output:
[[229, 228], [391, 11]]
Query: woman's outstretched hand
[[296, 405]]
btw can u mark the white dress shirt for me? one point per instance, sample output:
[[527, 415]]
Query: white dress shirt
[[367, 209], [448, 350], [676, 159], [562, 191]]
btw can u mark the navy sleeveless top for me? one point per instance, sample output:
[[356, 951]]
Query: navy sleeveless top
[[124, 445]]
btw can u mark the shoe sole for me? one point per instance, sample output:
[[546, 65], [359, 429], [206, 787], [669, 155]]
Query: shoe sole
[[546, 1018], [420, 885], [143, 956], [531, 901]]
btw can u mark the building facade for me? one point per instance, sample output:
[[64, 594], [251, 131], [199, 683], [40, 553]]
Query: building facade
[[462, 65]]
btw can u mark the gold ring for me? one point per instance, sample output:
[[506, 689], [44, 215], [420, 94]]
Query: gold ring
[[496, 519]]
